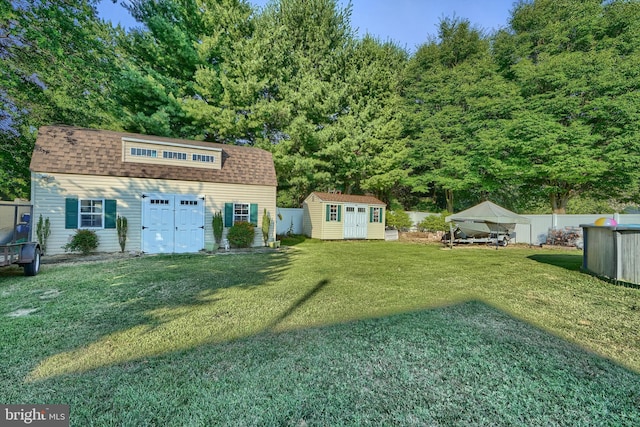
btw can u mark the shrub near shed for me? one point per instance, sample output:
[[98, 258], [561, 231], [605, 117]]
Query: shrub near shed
[[241, 234], [84, 241]]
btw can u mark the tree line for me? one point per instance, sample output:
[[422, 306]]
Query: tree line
[[532, 116]]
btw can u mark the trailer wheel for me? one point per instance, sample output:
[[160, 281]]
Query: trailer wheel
[[33, 267]]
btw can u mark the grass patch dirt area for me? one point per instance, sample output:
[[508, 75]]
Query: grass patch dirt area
[[325, 333]]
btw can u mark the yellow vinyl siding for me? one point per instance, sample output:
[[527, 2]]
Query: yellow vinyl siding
[[315, 222], [314, 219], [332, 230], [49, 193], [375, 230]]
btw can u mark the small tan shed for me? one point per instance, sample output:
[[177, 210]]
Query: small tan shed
[[336, 216]]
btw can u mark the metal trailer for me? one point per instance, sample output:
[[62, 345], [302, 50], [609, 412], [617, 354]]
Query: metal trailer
[[16, 244]]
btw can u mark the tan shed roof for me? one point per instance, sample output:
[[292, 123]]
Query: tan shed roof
[[65, 149], [347, 198]]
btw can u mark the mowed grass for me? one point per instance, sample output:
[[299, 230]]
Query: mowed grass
[[325, 333]]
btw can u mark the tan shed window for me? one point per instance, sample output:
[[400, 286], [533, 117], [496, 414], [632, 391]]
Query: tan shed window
[[174, 155], [203, 158], [375, 215]]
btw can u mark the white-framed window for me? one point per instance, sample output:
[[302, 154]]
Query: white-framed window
[[376, 214], [333, 212], [174, 155], [203, 158], [143, 152], [241, 212], [91, 213]]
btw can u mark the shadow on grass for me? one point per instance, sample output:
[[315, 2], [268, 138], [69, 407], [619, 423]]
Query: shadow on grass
[[297, 304], [465, 364], [571, 262], [111, 313]]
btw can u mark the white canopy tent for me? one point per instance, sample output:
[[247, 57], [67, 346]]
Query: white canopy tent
[[487, 218]]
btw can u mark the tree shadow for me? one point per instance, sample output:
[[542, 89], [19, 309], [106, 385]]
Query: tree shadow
[[133, 309], [297, 304], [464, 364], [572, 262]]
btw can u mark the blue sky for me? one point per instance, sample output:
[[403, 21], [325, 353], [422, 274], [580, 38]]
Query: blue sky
[[407, 22]]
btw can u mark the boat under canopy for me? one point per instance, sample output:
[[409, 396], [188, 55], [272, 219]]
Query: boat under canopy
[[486, 221]]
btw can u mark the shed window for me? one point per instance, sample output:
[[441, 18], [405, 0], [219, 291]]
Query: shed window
[[333, 213], [241, 212], [143, 152], [234, 212], [174, 155], [375, 215], [203, 158], [90, 213]]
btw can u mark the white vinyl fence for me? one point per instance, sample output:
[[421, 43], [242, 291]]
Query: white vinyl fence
[[535, 233], [289, 221]]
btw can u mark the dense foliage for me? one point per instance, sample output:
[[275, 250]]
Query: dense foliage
[[435, 222], [540, 113], [241, 234], [84, 241]]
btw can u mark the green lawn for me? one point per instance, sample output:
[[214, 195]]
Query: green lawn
[[325, 333]]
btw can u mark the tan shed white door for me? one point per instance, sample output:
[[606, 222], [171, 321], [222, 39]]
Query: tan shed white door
[[172, 223], [355, 222]]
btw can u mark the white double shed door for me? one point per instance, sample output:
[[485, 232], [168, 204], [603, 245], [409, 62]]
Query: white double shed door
[[355, 221], [172, 223]]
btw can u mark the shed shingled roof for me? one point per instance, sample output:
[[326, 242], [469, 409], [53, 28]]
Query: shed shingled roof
[[347, 198], [72, 150]]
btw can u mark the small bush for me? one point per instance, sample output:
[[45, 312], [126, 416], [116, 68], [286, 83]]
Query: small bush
[[43, 231], [84, 241], [399, 220], [266, 225], [241, 234], [434, 223], [217, 223], [122, 227]]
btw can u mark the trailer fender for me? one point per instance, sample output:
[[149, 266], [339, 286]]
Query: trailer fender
[[28, 253]]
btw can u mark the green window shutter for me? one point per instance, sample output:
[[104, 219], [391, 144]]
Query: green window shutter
[[70, 213], [371, 214], [328, 213], [110, 213], [253, 214], [339, 211], [228, 214]]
